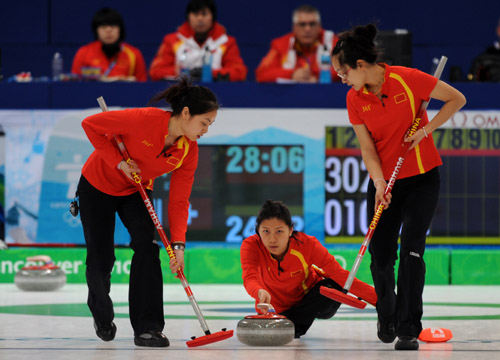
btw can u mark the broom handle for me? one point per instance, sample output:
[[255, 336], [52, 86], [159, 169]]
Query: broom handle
[[373, 224], [159, 227]]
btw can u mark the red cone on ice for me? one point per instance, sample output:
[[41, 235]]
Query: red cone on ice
[[435, 335]]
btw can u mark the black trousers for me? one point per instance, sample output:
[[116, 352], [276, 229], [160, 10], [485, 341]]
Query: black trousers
[[414, 201], [97, 213], [313, 306]]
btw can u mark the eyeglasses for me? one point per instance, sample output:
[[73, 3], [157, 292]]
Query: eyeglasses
[[344, 75], [303, 24]]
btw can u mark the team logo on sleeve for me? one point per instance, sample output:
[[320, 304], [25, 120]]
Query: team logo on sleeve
[[366, 108]]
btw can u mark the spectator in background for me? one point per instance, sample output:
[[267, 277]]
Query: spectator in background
[[486, 67], [109, 58], [296, 56], [183, 51]]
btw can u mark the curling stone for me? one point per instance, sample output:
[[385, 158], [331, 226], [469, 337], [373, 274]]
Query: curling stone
[[46, 277], [270, 329]]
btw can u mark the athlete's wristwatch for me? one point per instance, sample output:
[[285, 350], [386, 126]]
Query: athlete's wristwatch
[[178, 246]]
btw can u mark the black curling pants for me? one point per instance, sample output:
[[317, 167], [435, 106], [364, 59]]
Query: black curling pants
[[414, 201], [97, 212], [313, 306]]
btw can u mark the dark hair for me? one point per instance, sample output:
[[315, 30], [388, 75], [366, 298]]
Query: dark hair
[[197, 5], [306, 8], [273, 209], [108, 16], [199, 99], [357, 44]]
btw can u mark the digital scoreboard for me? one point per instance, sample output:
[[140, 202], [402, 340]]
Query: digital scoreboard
[[469, 204], [231, 184]]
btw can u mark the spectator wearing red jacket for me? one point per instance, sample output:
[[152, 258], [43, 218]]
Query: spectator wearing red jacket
[[277, 264], [109, 58], [183, 50], [296, 57]]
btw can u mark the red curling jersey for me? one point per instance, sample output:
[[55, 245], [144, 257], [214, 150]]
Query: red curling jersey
[[404, 89], [143, 131], [128, 62], [290, 279]]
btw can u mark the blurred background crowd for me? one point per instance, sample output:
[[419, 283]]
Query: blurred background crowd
[[264, 41]]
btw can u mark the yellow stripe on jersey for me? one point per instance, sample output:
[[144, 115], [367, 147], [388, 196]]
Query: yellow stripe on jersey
[[412, 104], [408, 91], [131, 59], [304, 265], [182, 143], [419, 160]]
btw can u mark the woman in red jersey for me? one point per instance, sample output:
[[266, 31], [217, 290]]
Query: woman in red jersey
[[159, 142], [277, 269], [382, 104]]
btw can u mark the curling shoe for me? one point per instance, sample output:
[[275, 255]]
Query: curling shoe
[[406, 343], [386, 332], [105, 332], [151, 339]]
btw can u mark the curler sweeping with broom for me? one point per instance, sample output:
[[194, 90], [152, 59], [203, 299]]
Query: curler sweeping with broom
[[160, 142], [382, 105], [278, 269]]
